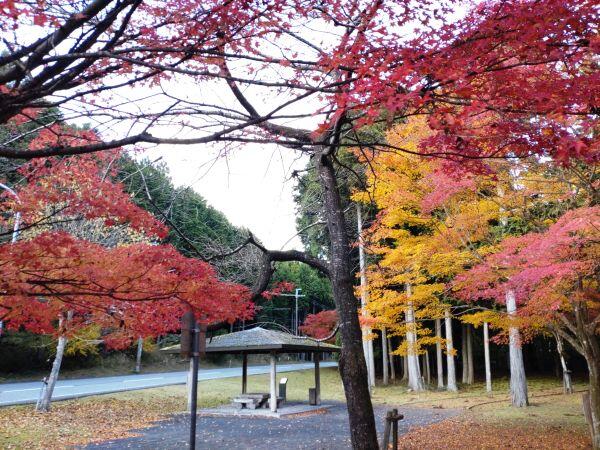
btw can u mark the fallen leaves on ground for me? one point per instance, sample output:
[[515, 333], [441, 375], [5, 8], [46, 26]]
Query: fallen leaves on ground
[[80, 421], [469, 432]]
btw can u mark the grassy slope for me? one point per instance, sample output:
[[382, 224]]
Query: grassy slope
[[109, 416]]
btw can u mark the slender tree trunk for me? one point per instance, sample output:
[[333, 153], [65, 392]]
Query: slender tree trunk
[[486, 352], [518, 380], [45, 399], [427, 368], [138, 355], [384, 354], [415, 382], [451, 385], [364, 298], [392, 360], [567, 384], [470, 368], [404, 368], [352, 365], [438, 354], [463, 354]]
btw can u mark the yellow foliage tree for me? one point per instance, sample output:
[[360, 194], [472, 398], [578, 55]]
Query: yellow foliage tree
[[432, 226]]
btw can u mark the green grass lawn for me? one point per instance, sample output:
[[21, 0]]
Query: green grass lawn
[[75, 422]]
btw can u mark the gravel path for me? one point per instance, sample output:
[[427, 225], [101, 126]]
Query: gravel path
[[316, 432]]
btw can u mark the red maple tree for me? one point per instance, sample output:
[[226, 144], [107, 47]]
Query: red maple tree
[[321, 324], [511, 78], [554, 275]]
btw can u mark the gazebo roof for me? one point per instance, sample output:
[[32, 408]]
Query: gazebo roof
[[261, 340]]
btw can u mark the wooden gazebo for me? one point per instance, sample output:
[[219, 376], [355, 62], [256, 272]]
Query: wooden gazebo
[[259, 340]]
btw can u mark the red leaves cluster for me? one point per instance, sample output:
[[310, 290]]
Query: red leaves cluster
[[130, 290], [133, 290], [545, 270], [279, 288], [511, 78], [320, 325], [79, 186]]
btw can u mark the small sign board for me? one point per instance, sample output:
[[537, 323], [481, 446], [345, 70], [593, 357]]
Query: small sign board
[[187, 327]]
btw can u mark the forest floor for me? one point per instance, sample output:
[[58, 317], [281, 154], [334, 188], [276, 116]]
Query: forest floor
[[553, 420]]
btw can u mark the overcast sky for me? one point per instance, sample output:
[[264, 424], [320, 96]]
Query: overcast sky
[[251, 186]]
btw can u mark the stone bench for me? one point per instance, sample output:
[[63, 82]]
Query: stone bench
[[250, 401], [253, 401]]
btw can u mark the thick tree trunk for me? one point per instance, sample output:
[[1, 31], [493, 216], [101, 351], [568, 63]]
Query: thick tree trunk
[[392, 360], [470, 368], [451, 385], [518, 380], [366, 331], [415, 382], [384, 354], [590, 349], [592, 402], [138, 355], [353, 367], [486, 352], [45, 399], [567, 384], [438, 354]]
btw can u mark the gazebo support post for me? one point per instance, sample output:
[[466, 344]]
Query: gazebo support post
[[273, 397], [244, 373], [317, 357]]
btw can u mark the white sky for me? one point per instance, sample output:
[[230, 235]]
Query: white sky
[[251, 186]]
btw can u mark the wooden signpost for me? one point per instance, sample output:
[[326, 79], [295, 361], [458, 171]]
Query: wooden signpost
[[193, 344]]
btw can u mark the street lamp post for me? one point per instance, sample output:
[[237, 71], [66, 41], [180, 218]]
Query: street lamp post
[[296, 295]]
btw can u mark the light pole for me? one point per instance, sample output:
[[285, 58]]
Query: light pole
[[296, 296]]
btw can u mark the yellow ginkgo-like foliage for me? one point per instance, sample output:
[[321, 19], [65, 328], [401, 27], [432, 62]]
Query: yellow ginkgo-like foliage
[[433, 226]]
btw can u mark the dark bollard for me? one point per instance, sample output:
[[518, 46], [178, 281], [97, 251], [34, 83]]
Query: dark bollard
[[391, 426], [395, 428]]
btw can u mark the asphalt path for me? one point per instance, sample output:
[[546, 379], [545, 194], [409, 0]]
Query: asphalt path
[[29, 392], [327, 431]]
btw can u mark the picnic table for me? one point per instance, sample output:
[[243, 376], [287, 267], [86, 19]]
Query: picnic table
[[253, 400]]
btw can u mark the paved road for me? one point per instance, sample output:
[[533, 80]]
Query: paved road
[[28, 392]]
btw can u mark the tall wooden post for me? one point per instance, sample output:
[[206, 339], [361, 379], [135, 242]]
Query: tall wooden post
[[273, 397], [245, 373], [317, 357]]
